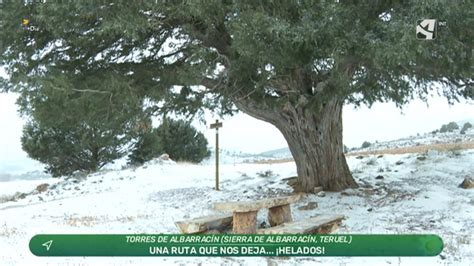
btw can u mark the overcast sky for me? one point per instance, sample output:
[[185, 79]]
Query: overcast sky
[[244, 133]]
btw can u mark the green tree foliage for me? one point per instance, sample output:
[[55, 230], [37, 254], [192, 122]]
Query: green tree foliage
[[290, 63], [465, 127], [73, 129], [51, 147], [365, 144], [182, 141], [67, 151], [450, 127], [177, 138], [147, 147]]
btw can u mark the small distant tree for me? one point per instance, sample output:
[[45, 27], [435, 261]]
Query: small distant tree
[[365, 144], [177, 138], [443, 129], [450, 127], [465, 127]]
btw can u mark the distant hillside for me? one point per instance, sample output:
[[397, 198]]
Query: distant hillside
[[278, 153]]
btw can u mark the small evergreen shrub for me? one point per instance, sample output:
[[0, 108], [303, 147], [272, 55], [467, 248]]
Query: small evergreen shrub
[[177, 138], [450, 127], [365, 144], [465, 127]]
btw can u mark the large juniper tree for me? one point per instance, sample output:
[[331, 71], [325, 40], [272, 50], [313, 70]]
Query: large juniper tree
[[290, 63]]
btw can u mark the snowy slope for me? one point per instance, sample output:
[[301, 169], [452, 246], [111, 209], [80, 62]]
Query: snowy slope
[[415, 195], [423, 139]]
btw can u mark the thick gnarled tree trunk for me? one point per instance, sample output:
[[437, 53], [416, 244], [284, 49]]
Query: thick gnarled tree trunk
[[314, 137], [315, 141]]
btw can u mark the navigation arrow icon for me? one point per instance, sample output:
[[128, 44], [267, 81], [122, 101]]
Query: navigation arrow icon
[[48, 244]]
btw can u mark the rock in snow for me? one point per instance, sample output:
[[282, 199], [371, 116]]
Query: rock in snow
[[467, 183]]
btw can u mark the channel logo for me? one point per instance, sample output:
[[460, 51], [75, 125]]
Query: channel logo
[[426, 29]]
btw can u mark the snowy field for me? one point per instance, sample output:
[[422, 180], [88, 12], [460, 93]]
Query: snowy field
[[403, 193]]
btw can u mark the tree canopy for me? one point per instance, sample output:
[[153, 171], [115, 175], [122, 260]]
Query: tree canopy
[[177, 138], [364, 51], [285, 62]]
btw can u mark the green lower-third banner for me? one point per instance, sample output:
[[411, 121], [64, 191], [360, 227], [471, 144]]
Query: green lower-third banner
[[236, 245]]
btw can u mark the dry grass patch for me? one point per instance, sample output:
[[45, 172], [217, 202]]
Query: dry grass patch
[[94, 220], [8, 231], [272, 161], [81, 221]]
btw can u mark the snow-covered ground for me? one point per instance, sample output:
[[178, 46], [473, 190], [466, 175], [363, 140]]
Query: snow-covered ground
[[404, 193]]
